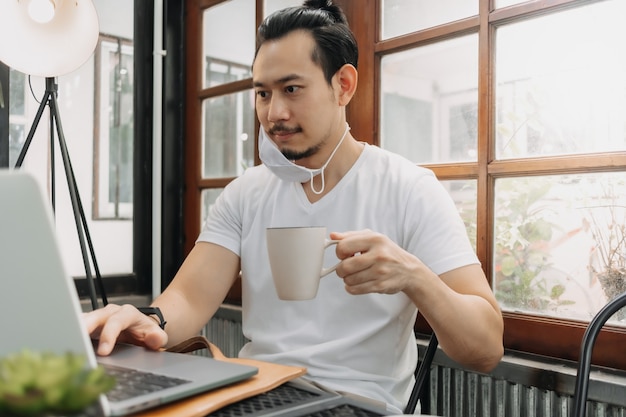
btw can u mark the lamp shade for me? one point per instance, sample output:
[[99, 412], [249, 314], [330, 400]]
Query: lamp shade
[[48, 49]]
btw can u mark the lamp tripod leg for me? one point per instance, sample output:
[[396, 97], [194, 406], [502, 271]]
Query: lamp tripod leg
[[33, 128], [79, 214], [84, 238], [45, 101]]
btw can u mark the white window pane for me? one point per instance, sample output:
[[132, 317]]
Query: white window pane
[[228, 132], [18, 122], [429, 101], [228, 39], [464, 194], [400, 17], [114, 121], [208, 199], [560, 243], [562, 91]]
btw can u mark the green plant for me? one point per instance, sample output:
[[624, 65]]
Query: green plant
[[523, 231], [33, 383]]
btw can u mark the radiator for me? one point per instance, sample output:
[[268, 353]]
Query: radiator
[[455, 392], [521, 386], [224, 331]]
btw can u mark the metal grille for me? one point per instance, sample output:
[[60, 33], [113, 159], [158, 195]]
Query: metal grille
[[344, 411], [285, 396], [458, 393]]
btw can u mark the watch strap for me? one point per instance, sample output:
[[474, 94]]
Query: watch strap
[[154, 311]]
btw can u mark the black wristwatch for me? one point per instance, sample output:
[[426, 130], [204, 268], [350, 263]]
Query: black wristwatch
[[154, 311]]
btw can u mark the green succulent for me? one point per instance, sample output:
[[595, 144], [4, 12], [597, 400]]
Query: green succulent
[[32, 383]]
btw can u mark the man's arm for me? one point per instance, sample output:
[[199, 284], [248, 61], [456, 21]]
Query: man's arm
[[462, 310], [459, 305], [195, 294]]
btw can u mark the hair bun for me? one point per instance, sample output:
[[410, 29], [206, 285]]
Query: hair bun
[[327, 6]]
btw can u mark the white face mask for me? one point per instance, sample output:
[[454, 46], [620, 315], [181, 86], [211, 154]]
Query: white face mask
[[286, 170]]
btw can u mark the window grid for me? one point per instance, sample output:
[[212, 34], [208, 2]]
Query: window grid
[[525, 332]]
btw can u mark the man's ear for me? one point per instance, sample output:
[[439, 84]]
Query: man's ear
[[346, 79]]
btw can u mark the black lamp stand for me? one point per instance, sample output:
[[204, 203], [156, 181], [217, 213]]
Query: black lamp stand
[[50, 99]]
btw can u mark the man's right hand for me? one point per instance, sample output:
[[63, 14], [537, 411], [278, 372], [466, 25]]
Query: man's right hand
[[126, 324]]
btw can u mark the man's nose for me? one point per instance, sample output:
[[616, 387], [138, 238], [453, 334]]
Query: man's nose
[[278, 110]]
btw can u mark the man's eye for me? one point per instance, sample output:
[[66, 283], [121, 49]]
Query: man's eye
[[292, 89], [261, 94]]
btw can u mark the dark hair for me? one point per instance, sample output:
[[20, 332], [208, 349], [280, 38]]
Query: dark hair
[[335, 43]]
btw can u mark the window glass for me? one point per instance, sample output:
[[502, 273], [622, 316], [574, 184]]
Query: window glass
[[560, 243], [228, 134], [429, 109], [562, 91], [18, 121], [228, 41], [209, 196], [400, 17], [113, 174], [463, 192]]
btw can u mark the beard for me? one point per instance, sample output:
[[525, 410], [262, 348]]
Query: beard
[[295, 155]]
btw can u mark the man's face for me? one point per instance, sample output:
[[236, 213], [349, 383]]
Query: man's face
[[294, 103]]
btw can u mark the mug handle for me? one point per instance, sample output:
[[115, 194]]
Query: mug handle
[[326, 271]]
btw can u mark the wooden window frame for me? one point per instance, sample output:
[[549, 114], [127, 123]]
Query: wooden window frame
[[524, 332]]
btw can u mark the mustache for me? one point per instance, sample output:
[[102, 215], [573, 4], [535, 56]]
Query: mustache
[[284, 130]]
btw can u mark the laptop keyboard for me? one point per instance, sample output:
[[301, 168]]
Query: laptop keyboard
[[131, 382]]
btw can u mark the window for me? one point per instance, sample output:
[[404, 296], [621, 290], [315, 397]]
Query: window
[[113, 142], [223, 139], [222, 125], [18, 124], [428, 109], [229, 123], [535, 118], [522, 122]]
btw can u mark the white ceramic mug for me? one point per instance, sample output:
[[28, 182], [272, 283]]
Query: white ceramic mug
[[296, 257]]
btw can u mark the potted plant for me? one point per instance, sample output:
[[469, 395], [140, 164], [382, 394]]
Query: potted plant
[[48, 384], [606, 221]]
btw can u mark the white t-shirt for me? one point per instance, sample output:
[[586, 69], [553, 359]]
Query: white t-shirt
[[361, 344]]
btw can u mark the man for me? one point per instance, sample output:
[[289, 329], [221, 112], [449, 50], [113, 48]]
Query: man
[[402, 244]]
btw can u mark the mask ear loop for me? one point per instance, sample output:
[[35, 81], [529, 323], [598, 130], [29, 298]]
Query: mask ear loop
[[327, 162], [323, 184]]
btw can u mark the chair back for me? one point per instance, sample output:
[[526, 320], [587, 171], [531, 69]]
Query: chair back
[[581, 389], [422, 370]]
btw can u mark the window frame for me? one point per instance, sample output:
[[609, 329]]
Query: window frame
[[196, 93], [103, 209], [524, 332]]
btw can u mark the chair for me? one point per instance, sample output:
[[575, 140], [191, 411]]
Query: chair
[[581, 389], [422, 370]]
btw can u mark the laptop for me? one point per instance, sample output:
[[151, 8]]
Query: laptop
[[40, 309]]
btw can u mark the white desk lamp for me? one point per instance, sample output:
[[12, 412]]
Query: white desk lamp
[[49, 38]]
